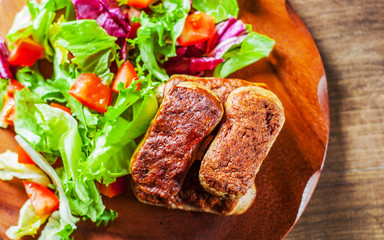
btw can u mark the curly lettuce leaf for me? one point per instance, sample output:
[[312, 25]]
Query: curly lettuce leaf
[[93, 49], [156, 38], [28, 224], [10, 168], [254, 47], [115, 144], [220, 10]]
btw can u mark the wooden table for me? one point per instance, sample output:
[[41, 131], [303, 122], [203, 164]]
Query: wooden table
[[348, 202]]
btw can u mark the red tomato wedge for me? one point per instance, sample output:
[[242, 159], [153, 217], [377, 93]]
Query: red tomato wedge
[[126, 75], [139, 3], [13, 86], [198, 27], [9, 109], [113, 189], [55, 105], [43, 200], [26, 53], [23, 157], [92, 92]]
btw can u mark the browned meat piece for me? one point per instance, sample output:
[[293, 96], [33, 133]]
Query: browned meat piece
[[221, 86], [253, 118], [193, 197], [187, 115]]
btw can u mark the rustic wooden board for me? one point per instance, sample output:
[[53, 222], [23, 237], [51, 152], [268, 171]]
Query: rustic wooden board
[[294, 71], [349, 200]]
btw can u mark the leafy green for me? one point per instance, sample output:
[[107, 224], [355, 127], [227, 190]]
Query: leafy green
[[28, 224], [64, 210], [93, 49], [22, 26], [220, 10], [254, 47], [114, 144], [3, 89], [32, 79], [10, 168], [57, 228], [156, 38]]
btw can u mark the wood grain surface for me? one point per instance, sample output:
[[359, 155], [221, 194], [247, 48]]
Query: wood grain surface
[[348, 202]]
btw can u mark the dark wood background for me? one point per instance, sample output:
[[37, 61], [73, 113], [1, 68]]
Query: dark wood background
[[348, 202]]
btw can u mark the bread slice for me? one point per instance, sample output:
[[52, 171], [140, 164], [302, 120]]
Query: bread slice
[[188, 114], [253, 119]]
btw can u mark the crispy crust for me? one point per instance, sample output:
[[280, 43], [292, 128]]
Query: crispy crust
[[187, 115], [221, 86], [253, 118], [192, 197]]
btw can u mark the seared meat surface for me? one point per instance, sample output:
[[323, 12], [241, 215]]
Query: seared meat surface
[[221, 86], [193, 197], [253, 118], [188, 114]]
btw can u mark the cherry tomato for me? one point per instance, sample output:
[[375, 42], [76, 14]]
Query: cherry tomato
[[55, 105], [43, 200], [198, 27], [23, 157], [126, 75], [26, 53], [90, 91], [113, 189]]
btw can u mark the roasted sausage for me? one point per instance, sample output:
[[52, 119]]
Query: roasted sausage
[[253, 118], [188, 114]]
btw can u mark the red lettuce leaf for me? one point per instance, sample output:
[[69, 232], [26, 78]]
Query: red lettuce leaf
[[5, 68]]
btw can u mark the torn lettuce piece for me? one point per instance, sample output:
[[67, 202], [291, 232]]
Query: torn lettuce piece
[[115, 144], [28, 224], [220, 10], [10, 168], [254, 47]]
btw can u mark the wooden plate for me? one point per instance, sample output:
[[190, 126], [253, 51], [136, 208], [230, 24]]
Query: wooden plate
[[285, 183]]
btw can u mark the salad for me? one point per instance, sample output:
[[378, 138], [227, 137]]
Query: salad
[[78, 86]]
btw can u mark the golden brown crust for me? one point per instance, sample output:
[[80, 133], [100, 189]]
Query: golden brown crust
[[192, 197], [253, 119], [221, 86], [187, 115]]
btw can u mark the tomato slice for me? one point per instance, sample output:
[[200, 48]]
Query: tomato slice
[[13, 86], [139, 3], [55, 105], [26, 53], [23, 157], [126, 75], [9, 109], [43, 200], [90, 91], [113, 189], [198, 27]]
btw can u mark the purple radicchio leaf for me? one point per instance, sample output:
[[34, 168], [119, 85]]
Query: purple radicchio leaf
[[107, 15], [192, 66], [5, 68]]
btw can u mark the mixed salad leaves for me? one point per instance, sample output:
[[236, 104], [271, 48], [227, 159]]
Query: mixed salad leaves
[[78, 87]]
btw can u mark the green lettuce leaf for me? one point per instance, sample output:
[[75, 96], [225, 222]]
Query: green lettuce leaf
[[115, 144], [3, 90], [32, 79], [156, 38], [220, 10], [64, 210], [93, 49], [10, 168], [56, 228], [28, 224], [22, 26], [254, 47]]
